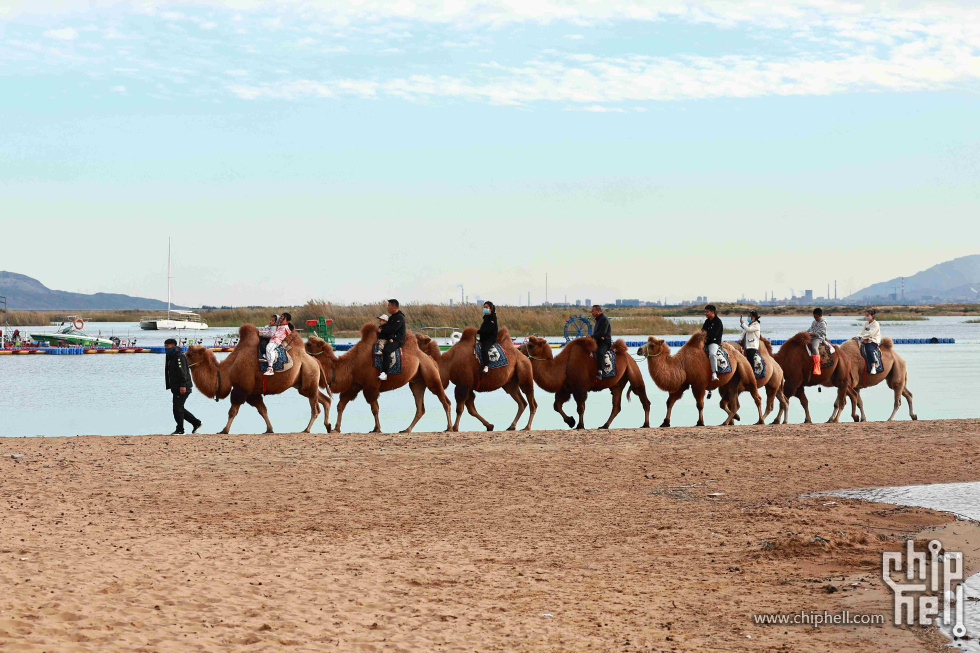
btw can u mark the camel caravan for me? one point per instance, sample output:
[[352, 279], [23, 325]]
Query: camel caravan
[[388, 356]]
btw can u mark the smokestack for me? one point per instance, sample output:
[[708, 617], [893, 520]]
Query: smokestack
[[545, 287]]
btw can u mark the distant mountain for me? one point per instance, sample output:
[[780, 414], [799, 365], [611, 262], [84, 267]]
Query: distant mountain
[[956, 280], [24, 293]]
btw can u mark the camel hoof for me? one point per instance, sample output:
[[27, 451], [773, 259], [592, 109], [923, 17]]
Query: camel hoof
[[270, 431], [604, 427], [580, 428], [915, 417], [514, 428], [856, 419], [808, 421], [379, 431], [774, 422], [570, 422], [737, 418], [700, 422], [665, 424], [225, 432], [329, 430], [490, 427]]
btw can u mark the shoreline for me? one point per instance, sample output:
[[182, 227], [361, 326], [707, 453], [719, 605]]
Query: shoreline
[[553, 540]]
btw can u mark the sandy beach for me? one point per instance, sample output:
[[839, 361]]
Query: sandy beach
[[627, 540]]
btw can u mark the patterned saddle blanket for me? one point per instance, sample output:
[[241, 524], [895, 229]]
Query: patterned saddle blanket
[[826, 358], [608, 367], [873, 361], [724, 366], [394, 364], [283, 361], [496, 357], [758, 364]]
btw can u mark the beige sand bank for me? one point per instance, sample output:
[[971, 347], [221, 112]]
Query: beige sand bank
[[485, 541]]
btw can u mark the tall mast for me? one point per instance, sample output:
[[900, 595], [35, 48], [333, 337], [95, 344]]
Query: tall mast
[[169, 279]]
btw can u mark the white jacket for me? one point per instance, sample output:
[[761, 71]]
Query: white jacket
[[871, 332], [753, 335]]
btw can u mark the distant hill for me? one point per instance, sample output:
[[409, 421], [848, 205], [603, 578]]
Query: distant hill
[[956, 280], [24, 293]]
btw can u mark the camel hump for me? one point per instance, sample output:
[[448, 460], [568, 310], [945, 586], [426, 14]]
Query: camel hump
[[696, 340], [801, 339], [469, 333], [886, 343], [503, 335], [369, 329], [248, 334], [767, 344], [423, 340], [586, 343], [619, 347]]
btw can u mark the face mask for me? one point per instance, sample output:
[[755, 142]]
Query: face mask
[[486, 311], [171, 351]]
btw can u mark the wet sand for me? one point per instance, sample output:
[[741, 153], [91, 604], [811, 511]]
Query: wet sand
[[557, 540]]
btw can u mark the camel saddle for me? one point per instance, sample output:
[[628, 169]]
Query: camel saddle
[[394, 365], [874, 364], [283, 362], [496, 357], [758, 364], [607, 368], [826, 358], [724, 366]]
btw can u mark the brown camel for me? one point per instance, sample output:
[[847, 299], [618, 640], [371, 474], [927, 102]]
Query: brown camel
[[690, 369], [895, 375], [354, 372], [239, 376], [573, 372], [794, 358], [772, 382], [460, 366]]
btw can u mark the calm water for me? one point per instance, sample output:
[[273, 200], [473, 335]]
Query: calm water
[[124, 393], [962, 499]]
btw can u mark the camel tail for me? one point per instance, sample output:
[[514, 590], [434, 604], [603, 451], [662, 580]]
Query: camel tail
[[629, 390]]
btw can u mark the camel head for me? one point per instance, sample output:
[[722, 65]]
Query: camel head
[[536, 348], [318, 348], [201, 360], [428, 345], [653, 348]]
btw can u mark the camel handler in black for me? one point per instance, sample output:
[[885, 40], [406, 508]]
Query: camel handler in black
[[602, 334], [487, 334], [178, 376], [393, 333]]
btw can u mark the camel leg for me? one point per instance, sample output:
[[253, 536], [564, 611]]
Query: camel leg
[[857, 404], [801, 395], [471, 409], [770, 402], [617, 397], [314, 398], [783, 406], [560, 398], [671, 400], [259, 404], [371, 396], [432, 381], [417, 386], [580, 398], [730, 404], [528, 389], [645, 401], [908, 398], [512, 388], [345, 398], [699, 400], [325, 401], [460, 394]]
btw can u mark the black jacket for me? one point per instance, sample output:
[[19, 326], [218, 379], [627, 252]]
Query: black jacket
[[715, 330], [602, 333], [488, 330], [394, 329], [177, 372]]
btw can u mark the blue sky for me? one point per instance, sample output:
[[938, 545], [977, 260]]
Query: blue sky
[[352, 151]]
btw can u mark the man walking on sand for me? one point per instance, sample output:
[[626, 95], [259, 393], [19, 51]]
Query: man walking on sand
[[178, 377]]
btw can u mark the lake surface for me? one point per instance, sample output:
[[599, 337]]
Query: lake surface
[[123, 394]]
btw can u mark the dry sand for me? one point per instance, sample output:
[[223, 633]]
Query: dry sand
[[477, 541]]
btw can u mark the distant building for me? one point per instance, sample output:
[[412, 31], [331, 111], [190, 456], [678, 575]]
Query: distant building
[[627, 302], [588, 302]]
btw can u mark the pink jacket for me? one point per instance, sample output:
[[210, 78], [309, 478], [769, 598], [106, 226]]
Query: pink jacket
[[280, 334]]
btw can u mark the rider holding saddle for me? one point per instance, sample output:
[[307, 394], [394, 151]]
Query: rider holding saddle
[[714, 330], [752, 332], [392, 333], [487, 334], [602, 334]]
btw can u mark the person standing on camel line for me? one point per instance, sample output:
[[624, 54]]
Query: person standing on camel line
[[393, 333], [178, 377]]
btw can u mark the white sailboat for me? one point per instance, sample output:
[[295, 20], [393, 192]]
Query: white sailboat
[[175, 319]]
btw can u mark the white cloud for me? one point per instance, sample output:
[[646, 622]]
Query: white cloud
[[62, 34]]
